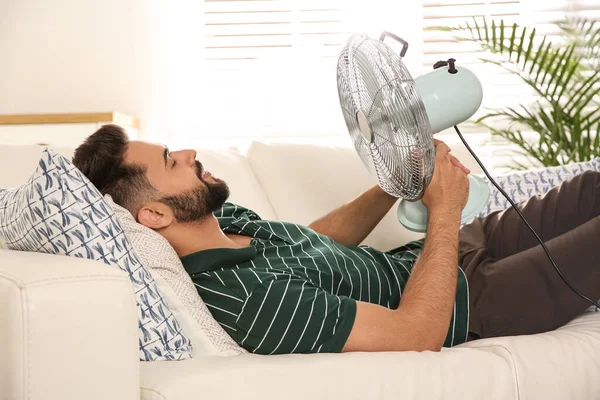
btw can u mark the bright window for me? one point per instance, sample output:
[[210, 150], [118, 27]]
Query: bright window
[[266, 69]]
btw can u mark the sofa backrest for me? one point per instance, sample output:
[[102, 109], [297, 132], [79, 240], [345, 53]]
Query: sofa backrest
[[305, 182]]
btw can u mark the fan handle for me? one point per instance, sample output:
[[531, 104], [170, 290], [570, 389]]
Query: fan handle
[[397, 38]]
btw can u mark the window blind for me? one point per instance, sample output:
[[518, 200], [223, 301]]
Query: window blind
[[268, 67], [586, 8], [268, 70], [241, 30]]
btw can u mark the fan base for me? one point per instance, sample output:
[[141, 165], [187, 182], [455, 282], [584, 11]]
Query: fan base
[[413, 214]]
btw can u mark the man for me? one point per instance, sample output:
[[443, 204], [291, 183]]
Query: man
[[278, 287]]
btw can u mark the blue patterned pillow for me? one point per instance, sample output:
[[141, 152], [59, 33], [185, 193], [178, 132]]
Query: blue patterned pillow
[[59, 211], [521, 185]]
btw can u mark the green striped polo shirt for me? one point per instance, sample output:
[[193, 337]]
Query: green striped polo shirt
[[294, 290]]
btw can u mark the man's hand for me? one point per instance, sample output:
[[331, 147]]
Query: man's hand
[[454, 160], [449, 186]]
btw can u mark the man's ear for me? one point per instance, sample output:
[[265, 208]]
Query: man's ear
[[155, 215]]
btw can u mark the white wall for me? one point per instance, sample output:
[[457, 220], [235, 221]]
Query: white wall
[[144, 58], [75, 56]]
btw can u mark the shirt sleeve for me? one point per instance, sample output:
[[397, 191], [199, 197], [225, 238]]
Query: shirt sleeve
[[285, 316]]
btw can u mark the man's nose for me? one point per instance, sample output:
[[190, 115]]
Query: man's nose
[[187, 156], [191, 156]]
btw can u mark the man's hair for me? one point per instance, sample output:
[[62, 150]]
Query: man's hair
[[102, 159]]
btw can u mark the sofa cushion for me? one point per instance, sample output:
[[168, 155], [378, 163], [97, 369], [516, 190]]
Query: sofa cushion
[[452, 374], [58, 211], [156, 253], [561, 364]]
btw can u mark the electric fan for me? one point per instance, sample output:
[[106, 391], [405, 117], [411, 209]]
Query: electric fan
[[391, 119]]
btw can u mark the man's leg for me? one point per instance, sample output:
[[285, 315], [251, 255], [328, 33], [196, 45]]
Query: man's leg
[[513, 287], [563, 208]]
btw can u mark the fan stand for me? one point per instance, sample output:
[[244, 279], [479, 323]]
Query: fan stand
[[413, 214]]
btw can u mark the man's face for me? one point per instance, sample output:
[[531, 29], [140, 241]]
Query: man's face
[[184, 185]]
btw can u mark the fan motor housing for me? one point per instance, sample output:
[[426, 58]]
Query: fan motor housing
[[449, 98]]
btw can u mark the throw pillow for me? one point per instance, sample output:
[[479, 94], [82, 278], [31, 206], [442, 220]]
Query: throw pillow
[[521, 185], [59, 211], [160, 258]]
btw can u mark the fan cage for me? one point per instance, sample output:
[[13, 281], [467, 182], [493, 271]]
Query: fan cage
[[372, 79]]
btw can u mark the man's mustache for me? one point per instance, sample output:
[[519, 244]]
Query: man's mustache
[[199, 169]]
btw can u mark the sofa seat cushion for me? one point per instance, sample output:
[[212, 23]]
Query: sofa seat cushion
[[484, 373], [562, 364]]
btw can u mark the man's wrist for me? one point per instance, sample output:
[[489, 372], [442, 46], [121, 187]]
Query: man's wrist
[[383, 193], [448, 214]]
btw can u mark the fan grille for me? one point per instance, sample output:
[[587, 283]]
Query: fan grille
[[372, 79]]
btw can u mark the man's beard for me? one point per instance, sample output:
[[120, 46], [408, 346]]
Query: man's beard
[[194, 205]]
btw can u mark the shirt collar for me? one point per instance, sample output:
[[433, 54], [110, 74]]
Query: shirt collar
[[208, 260], [250, 228]]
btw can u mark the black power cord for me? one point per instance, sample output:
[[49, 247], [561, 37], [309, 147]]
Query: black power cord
[[524, 220]]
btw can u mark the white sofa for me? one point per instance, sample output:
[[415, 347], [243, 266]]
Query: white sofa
[[51, 347]]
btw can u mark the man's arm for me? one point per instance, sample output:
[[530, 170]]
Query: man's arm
[[422, 319], [351, 223]]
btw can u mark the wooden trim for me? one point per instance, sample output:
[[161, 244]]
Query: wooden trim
[[78, 118]]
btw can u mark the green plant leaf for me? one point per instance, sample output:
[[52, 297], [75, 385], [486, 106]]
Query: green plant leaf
[[520, 46]]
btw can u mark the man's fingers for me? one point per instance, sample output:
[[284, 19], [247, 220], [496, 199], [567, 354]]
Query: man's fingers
[[441, 150], [438, 142], [458, 164]]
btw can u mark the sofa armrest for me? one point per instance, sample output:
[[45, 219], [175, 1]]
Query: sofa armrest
[[68, 329]]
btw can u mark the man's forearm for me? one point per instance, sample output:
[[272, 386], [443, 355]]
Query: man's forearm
[[431, 289], [351, 223]]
